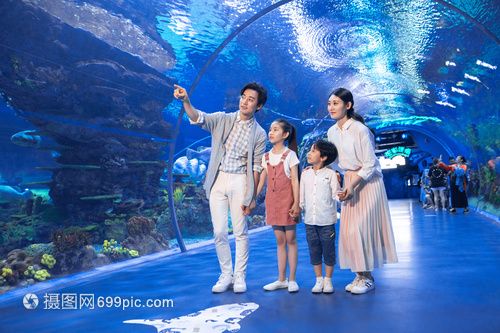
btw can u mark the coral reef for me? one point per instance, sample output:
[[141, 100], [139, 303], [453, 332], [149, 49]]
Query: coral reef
[[117, 252], [48, 260], [41, 275], [143, 236]]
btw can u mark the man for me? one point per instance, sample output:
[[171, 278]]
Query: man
[[238, 143]]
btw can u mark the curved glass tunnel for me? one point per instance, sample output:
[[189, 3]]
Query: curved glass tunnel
[[99, 164]]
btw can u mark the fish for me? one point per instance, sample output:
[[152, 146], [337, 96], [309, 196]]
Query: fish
[[460, 91], [446, 104], [28, 138], [421, 91], [217, 319], [405, 121], [35, 139], [312, 121], [450, 63], [9, 194], [202, 154], [472, 77], [475, 78], [485, 64]]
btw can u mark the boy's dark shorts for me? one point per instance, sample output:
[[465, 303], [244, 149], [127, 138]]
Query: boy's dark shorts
[[321, 241]]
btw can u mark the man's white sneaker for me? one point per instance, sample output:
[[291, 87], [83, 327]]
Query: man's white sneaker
[[293, 287], [318, 286], [363, 286], [328, 286], [239, 285], [353, 283], [223, 283], [276, 285]]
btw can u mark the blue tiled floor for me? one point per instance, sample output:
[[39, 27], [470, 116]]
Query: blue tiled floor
[[447, 280]]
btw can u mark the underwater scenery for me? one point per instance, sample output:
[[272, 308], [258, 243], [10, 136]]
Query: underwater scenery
[[100, 165]]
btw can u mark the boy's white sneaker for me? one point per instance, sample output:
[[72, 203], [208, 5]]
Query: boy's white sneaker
[[293, 287], [363, 286], [276, 285], [239, 285], [318, 286], [328, 286], [223, 283]]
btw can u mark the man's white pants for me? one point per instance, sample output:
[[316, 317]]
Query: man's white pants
[[228, 193]]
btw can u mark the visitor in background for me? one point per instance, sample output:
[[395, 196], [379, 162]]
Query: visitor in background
[[438, 181]]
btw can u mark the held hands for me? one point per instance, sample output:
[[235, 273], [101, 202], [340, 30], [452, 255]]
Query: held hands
[[294, 211], [345, 194], [248, 209], [180, 93]]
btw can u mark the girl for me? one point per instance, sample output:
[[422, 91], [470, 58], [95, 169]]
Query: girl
[[366, 240], [282, 199]]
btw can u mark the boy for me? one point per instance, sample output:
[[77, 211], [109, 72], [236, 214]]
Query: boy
[[318, 194]]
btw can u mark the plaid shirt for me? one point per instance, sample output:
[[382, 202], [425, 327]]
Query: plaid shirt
[[236, 145], [220, 125]]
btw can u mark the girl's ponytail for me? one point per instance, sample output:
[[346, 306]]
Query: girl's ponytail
[[292, 134]]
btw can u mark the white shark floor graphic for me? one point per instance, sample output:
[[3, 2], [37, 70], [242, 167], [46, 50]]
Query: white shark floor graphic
[[217, 319]]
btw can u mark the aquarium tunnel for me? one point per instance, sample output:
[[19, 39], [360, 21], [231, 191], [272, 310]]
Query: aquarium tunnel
[[102, 198]]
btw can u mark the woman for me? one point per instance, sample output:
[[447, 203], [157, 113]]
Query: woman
[[366, 239], [458, 184]]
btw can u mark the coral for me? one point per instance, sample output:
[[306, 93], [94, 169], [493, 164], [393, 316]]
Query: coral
[[9, 275], [67, 240], [6, 272], [42, 275], [143, 236], [140, 225], [179, 195], [37, 249], [78, 259], [17, 233], [115, 228], [29, 272], [117, 252], [193, 215], [48, 260]]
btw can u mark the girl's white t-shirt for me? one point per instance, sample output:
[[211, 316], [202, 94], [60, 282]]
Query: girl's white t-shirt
[[274, 159]]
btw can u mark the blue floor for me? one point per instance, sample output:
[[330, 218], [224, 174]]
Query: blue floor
[[447, 280]]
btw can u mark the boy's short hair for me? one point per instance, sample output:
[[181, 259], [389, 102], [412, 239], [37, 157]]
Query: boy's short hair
[[259, 89], [328, 149]]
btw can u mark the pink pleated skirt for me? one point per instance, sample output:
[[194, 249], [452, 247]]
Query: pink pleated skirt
[[366, 239]]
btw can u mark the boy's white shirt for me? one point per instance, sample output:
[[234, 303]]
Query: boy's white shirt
[[319, 201]]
